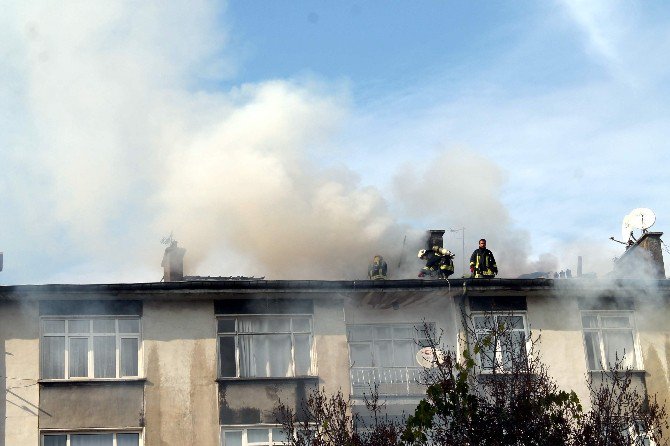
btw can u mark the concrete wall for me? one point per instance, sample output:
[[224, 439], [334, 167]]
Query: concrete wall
[[556, 319], [180, 362], [256, 401], [330, 339], [19, 372], [91, 405]]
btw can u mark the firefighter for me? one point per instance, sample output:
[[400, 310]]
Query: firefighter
[[377, 269], [446, 262], [438, 262], [482, 262]]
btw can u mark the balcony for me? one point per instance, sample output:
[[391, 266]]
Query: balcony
[[391, 381]]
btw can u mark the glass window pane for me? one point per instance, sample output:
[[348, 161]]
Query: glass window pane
[[104, 326], [91, 440], [487, 352], [301, 325], [55, 440], [592, 341], [615, 321], [79, 326], [405, 332], [104, 356], [382, 333], [360, 333], [78, 357], [232, 438], [130, 326], [361, 355], [277, 325], [302, 355], [257, 435], [127, 439], [404, 353], [619, 349], [590, 321], [265, 355], [52, 356], [483, 323], [383, 354], [129, 356], [225, 325], [278, 435], [512, 322], [227, 356], [51, 326], [513, 348], [278, 355]]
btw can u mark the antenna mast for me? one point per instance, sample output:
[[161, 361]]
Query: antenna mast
[[462, 231]]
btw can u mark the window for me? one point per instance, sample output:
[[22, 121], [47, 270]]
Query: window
[[256, 436], [502, 339], [102, 347], [609, 339], [385, 354], [92, 439], [265, 346]]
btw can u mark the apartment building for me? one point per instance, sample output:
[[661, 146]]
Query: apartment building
[[205, 361]]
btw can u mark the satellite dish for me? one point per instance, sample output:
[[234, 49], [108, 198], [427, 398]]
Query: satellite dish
[[626, 228], [642, 218], [427, 355]]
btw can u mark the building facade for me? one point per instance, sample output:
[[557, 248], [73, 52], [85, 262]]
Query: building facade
[[205, 362]]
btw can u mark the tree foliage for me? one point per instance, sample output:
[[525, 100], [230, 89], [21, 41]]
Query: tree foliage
[[511, 401]]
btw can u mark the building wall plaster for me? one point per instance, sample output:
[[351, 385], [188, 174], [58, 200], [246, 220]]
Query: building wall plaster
[[180, 363], [19, 372]]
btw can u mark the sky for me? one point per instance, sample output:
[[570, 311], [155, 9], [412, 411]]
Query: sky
[[296, 140]]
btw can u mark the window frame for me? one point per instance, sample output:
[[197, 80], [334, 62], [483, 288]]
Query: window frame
[[236, 336], [415, 339], [245, 428], [392, 380], [90, 337], [115, 432], [498, 359], [637, 356]]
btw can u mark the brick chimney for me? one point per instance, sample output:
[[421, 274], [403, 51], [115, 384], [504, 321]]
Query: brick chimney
[[173, 263], [435, 238], [643, 259]]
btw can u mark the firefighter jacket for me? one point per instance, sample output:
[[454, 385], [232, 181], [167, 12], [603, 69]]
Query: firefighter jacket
[[377, 269], [483, 264]]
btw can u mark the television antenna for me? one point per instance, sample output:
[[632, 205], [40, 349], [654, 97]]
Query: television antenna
[[167, 240], [462, 231]]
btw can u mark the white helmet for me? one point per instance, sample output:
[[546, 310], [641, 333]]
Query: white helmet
[[446, 252], [422, 252]]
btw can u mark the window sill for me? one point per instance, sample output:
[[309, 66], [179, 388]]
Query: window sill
[[621, 372], [92, 381], [269, 378]]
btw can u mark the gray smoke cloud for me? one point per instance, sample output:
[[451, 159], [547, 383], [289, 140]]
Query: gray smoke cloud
[[112, 146]]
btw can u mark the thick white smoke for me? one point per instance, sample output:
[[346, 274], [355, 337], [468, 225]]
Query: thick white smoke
[[111, 147]]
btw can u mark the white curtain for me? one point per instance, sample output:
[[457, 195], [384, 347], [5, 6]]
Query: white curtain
[[129, 354], [78, 357], [53, 357], [104, 356], [264, 355]]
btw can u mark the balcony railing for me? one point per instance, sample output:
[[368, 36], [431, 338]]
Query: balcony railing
[[390, 381]]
